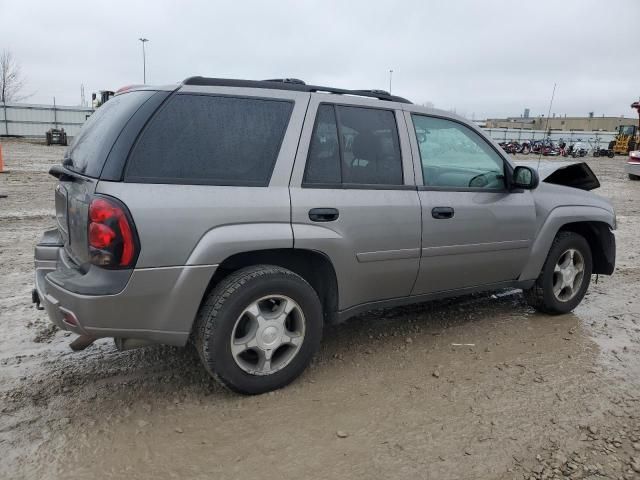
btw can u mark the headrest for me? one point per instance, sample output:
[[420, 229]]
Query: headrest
[[366, 146]]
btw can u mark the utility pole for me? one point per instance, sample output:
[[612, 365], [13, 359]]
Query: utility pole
[[390, 77], [144, 60], [55, 115]]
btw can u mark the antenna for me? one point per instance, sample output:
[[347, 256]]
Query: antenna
[[553, 94]]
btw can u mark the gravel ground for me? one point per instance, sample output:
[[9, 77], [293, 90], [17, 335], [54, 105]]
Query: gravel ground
[[477, 387]]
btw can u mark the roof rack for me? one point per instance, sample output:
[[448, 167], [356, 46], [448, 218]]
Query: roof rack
[[286, 80], [291, 84]]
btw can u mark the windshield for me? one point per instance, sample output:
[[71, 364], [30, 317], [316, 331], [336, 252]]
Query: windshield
[[627, 129], [90, 147]]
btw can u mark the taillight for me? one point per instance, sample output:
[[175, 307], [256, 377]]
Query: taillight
[[634, 157], [111, 235]]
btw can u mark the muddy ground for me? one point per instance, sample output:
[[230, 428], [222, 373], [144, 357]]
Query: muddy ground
[[392, 394]]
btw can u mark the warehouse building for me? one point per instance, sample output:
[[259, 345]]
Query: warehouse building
[[572, 124]]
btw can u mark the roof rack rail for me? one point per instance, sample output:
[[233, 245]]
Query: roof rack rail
[[291, 84], [297, 81]]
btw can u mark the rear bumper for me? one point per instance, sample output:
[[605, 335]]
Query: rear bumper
[[155, 304]]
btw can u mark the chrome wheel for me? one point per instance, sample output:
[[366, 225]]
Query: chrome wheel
[[568, 275], [267, 335]]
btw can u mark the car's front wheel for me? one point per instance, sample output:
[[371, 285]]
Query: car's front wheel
[[258, 329], [565, 276]]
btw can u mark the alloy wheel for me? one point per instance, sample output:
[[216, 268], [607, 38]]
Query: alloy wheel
[[267, 335], [568, 274]]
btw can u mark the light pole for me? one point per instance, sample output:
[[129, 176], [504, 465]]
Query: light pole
[[390, 76], [144, 60]]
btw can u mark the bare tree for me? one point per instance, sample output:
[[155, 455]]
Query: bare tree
[[11, 80]]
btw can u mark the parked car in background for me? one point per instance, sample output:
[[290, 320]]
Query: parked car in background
[[243, 216], [633, 165]]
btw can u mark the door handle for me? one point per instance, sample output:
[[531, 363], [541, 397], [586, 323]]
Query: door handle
[[323, 214], [442, 212]]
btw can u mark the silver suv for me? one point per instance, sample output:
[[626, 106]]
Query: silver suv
[[243, 216]]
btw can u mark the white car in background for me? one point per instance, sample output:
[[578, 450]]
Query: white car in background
[[633, 165]]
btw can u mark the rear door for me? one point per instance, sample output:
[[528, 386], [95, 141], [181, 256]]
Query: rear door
[[354, 198], [474, 231]]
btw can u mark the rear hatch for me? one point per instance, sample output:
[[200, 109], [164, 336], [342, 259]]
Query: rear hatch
[[82, 165]]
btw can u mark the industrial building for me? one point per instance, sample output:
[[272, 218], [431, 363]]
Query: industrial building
[[572, 124]]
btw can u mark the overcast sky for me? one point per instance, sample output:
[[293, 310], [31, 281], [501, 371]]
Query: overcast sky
[[483, 58]]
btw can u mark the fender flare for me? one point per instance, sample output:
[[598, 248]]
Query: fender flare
[[558, 218], [224, 241]]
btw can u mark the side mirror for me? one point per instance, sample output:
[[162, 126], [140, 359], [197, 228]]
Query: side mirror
[[525, 178]]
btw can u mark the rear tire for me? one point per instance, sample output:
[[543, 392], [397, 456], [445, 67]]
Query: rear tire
[[633, 177], [246, 338], [549, 293]]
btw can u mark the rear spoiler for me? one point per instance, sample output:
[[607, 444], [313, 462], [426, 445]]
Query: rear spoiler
[[62, 173]]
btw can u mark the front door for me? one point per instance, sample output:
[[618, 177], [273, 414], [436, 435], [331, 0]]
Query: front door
[[353, 198], [474, 231]]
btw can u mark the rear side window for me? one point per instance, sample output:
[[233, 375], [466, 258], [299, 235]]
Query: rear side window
[[91, 146], [323, 165], [215, 140], [354, 146]]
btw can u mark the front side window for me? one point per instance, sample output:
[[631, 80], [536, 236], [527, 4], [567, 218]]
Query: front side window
[[354, 146], [215, 140], [454, 156]]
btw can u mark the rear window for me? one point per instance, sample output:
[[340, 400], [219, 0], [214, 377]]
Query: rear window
[[91, 146], [215, 140]]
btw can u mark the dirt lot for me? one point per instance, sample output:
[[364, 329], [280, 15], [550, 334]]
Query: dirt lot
[[392, 393]]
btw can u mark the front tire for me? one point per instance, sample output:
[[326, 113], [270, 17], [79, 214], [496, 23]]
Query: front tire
[[258, 329], [565, 276]]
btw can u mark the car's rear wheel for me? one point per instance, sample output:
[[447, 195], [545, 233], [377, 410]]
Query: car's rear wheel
[[565, 276], [258, 329]]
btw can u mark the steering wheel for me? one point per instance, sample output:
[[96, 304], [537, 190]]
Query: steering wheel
[[480, 181]]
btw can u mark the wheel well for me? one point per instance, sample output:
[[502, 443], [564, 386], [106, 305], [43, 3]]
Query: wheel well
[[598, 236], [315, 267]]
